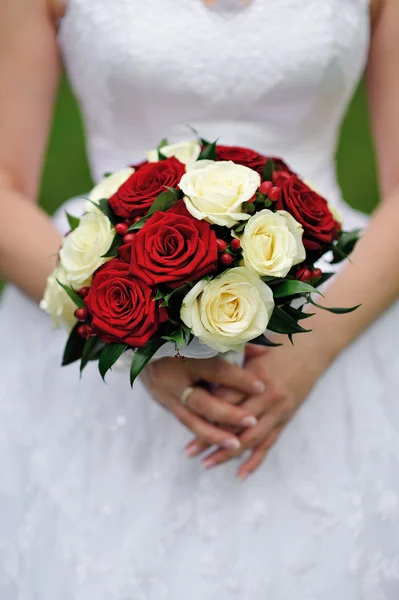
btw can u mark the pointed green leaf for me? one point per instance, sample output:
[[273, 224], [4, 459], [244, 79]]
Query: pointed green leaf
[[106, 209], [113, 249], [262, 340], [281, 322], [240, 227], [142, 357], [108, 357], [74, 347], [88, 349], [74, 296], [138, 225], [291, 287], [297, 314], [181, 336], [336, 311], [164, 201], [268, 171], [209, 152], [73, 221]]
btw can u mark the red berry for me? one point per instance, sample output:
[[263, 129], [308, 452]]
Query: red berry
[[265, 188], [304, 274], [83, 292], [121, 228], [221, 245], [129, 237], [275, 194], [136, 219], [128, 222], [81, 314], [82, 330], [226, 259], [252, 199], [235, 244], [316, 273]]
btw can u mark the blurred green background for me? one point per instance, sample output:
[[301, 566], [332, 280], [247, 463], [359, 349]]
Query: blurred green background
[[66, 171]]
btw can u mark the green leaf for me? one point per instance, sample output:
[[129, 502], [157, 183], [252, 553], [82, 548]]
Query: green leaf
[[335, 311], [296, 313], [162, 144], [74, 296], [73, 221], [88, 349], [74, 347], [112, 252], [345, 245], [262, 340], [106, 209], [107, 174], [142, 357], [281, 322], [181, 336], [268, 171], [291, 287], [180, 291], [138, 225], [203, 141], [324, 277], [240, 227], [108, 357], [164, 201], [209, 152]]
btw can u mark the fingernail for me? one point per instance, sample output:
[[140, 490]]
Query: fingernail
[[249, 422], [208, 463], [192, 450], [258, 387], [231, 444], [243, 476]]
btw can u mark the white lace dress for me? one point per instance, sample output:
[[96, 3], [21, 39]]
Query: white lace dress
[[97, 499]]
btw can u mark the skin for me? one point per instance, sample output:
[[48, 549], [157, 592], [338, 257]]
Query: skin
[[29, 72], [287, 389]]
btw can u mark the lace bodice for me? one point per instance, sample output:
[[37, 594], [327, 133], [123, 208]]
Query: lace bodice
[[276, 76]]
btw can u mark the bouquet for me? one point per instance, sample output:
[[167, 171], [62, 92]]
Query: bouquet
[[199, 241]]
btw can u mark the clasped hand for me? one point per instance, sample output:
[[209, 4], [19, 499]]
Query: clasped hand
[[245, 412]]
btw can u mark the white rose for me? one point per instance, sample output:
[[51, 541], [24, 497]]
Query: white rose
[[107, 187], [228, 311], [216, 191], [83, 248], [56, 301], [186, 152], [272, 243]]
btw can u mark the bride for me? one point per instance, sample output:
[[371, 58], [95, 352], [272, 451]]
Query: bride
[[102, 495]]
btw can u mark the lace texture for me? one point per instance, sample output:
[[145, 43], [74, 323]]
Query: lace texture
[[97, 499]]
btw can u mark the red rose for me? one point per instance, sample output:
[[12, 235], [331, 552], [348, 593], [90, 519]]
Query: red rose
[[310, 210], [136, 195], [172, 248], [242, 156], [123, 308]]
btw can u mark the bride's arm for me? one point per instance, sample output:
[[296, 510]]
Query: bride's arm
[[29, 70], [372, 279]]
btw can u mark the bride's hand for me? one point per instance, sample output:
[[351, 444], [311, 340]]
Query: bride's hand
[[170, 379], [289, 374]]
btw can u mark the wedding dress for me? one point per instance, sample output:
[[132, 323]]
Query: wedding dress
[[97, 498]]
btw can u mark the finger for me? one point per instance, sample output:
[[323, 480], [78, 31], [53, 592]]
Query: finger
[[217, 410], [253, 351], [229, 395], [206, 431], [216, 370], [220, 456], [258, 455], [270, 421]]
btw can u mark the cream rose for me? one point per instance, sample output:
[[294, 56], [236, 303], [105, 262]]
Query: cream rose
[[216, 191], [185, 152], [272, 243], [107, 187], [230, 310], [56, 301], [83, 248]]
